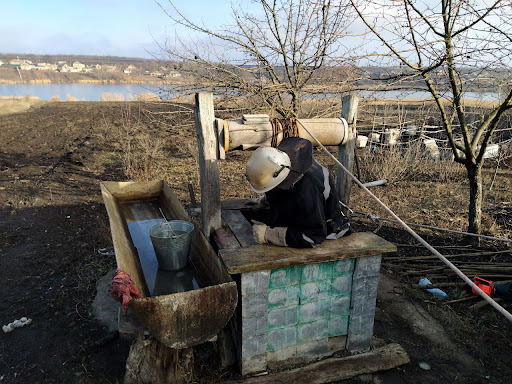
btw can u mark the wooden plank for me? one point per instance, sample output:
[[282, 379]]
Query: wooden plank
[[224, 238], [346, 152], [208, 163], [241, 228], [264, 256], [337, 368]]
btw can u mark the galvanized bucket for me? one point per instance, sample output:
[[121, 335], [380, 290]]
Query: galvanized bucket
[[172, 244]]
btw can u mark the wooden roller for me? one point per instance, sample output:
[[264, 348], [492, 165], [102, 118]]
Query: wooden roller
[[247, 135]]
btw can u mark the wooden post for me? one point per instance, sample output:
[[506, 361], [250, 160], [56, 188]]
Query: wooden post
[[346, 151], [207, 142]]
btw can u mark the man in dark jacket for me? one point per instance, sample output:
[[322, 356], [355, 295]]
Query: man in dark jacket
[[304, 205]]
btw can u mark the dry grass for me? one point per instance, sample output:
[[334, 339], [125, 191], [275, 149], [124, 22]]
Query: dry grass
[[406, 163], [109, 96]]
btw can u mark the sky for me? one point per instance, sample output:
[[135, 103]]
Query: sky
[[129, 28]]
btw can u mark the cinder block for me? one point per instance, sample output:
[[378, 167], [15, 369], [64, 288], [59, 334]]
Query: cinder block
[[254, 364], [282, 317], [283, 297], [312, 331], [284, 277], [280, 338], [341, 285], [314, 291], [362, 305], [338, 326], [365, 286], [255, 282], [313, 311], [316, 272], [367, 266], [254, 305], [254, 346], [342, 267], [360, 332], [339, 305], [254, 326]]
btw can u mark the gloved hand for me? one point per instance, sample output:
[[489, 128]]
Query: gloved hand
[[258, 231], [264, 234]]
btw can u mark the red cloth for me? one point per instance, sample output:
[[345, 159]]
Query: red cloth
[[123, 288]]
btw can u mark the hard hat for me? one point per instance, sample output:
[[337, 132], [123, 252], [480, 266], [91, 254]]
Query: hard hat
[[267, 168]]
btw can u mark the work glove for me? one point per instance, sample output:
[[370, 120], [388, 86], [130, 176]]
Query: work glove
[[264, 234]]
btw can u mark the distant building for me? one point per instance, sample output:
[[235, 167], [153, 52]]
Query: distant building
[[65, 68], [1, 63], [78, 66], [26, 67], [109, 68]]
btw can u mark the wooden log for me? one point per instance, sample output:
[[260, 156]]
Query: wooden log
[[482, 304], [346, 152], [329, 131], [152, 362], [208, 163], [337, 368]]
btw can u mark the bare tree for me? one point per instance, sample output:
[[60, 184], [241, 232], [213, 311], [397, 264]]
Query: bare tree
[[273, 52], [454, 47]]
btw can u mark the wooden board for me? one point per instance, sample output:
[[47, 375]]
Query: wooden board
[[241, 228], [337, 368], [264, 257]]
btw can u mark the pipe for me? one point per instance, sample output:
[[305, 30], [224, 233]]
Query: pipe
[[434, 251]]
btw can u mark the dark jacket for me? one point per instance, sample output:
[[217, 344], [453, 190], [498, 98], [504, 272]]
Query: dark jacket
[[305, 208]]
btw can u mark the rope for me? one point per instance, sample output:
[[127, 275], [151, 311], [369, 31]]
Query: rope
[[484, 296], [288, 127]]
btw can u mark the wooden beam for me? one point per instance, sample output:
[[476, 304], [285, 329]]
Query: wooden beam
[[346, 152], [207, 142], [337, 368], [264, 256]]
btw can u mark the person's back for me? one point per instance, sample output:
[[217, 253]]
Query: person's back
[[304, 204]]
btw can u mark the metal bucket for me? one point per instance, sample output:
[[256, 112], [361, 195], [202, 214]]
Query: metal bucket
[[172, 247]]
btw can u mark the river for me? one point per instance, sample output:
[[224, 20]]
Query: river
[[98, 92], [82, 92]]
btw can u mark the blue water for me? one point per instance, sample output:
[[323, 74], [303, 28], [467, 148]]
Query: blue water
[[397, 95], [82, 92], [94, 92]]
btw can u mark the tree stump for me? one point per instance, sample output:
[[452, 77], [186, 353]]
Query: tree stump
[[152, 362]]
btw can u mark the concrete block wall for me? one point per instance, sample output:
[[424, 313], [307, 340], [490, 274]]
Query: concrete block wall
[[254, 290], [301, 313], [365, 281]]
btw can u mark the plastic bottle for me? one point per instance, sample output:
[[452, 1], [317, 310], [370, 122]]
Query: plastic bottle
[[436, 292]]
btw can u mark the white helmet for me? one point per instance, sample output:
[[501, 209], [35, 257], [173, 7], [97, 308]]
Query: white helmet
[[267, 168]]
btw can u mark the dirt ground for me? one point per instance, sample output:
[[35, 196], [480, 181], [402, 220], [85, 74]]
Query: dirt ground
[[55, 245]]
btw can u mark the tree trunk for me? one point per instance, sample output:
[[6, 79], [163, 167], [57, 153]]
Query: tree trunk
[[475, 197], [152, 362]]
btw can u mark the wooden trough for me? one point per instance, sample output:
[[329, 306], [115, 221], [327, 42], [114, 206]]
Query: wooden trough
[[177, 319]]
